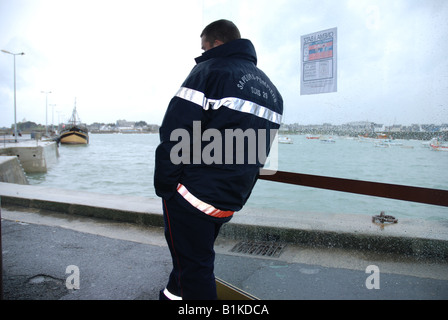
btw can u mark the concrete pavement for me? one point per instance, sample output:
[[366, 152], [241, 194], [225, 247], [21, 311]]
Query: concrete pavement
[[123, 261]]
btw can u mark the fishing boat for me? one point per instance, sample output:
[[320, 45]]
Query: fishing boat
[[74, 132]]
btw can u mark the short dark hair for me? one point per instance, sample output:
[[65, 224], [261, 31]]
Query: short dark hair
[[223, 30]]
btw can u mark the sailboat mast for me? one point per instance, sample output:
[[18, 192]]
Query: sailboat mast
[[74, 114]]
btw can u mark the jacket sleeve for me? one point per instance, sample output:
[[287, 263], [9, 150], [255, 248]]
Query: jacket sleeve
[[180, 116]]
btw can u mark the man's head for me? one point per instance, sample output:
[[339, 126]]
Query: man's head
[[218, 33]]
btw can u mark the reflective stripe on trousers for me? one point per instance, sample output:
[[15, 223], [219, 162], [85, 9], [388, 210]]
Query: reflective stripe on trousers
[[201, 205], [171, 296]]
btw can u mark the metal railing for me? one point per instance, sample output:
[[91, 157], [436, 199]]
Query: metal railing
[[385, 190]]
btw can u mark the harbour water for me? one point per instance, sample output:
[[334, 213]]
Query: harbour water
[[123, 164]]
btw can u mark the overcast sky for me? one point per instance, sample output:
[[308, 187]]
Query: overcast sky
[[125, 59]]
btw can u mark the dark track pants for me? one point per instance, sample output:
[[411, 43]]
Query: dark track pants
[[190, 235]]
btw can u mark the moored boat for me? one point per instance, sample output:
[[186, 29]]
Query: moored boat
[[383, 136], [327, 140], [437, 145], [284, 139], [388, 143], [74, 132]]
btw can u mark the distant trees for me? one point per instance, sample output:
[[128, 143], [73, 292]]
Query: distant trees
[[28, 126], [141, 124]]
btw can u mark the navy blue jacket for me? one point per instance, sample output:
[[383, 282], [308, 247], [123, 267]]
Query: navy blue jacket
[[225, 90]]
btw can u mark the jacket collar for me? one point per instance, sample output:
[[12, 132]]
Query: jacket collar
[[241, 47]]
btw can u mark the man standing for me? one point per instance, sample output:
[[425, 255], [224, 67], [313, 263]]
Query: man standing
[[224, 93]]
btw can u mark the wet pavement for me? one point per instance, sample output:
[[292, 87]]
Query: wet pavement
[[53, 256]]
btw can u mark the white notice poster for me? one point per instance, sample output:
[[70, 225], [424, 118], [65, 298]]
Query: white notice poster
[[319, 62]]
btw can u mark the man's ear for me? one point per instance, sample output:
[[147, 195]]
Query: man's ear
[[217, 43]]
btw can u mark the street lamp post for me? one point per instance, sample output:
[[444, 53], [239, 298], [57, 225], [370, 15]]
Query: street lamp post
[[46, 111], [15, 114], [52, 116]]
